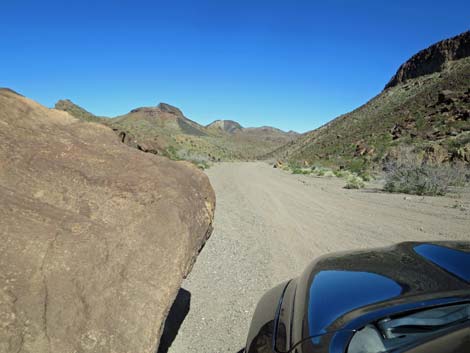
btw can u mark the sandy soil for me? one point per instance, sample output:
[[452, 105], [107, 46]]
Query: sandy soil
[[270, 224]]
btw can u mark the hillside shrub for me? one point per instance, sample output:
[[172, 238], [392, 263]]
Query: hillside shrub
[[301, 171], [329, 174], [201, 164], [340, 173], [354, 182], [420, 178]]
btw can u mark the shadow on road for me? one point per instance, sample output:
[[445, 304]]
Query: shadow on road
[[176, 316]]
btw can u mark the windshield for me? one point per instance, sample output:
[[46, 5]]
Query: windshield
[[397, 332]]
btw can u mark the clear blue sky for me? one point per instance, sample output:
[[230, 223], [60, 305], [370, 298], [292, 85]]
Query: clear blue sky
[[291, 64]]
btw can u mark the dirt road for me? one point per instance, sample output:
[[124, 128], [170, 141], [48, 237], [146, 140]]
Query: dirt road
[[269, 225]]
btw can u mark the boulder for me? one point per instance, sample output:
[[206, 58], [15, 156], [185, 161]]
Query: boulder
[[445, 97], [436, 154], [95, 237], [463, 153]]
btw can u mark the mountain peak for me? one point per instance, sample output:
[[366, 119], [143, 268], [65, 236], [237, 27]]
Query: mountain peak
[[9, 90], [76, 111], [229, 126], [167, 108], [433, 58]]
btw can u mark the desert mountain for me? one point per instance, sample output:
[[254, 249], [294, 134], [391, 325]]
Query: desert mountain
[[425, 106], [165, 130], [78, 112], [96, 236], [228, 126]]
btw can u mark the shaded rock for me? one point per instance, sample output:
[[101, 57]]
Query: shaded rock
[[463, 153], [436, 154], [445, 97], [95, 237], [363, 149]]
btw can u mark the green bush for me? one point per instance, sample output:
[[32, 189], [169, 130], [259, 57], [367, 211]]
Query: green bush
[[329, 174], [201, 164], [422, 179], [354, 182], [366, 176], [300, 171], [339, 173]]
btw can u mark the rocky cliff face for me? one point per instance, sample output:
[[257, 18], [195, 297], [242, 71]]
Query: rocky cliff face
[[433, 59], [95, 237]]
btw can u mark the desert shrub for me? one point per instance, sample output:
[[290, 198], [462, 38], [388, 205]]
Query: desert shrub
[[340, 173], [420, 178], [172, 153], [201, 164], [301, 171], [354, 182], [366, 176], [357, 165], [329, 174], [293, 164]]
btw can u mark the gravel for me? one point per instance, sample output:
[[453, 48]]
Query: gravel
[[270, 224]]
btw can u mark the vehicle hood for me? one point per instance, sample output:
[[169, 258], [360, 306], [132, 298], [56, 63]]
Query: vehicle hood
[[336, 290]]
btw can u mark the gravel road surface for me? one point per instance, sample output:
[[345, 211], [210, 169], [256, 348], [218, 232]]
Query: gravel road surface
[[270, 224]]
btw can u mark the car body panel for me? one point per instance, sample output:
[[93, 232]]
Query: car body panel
[[336, 286], [262, 328], [340, 293]]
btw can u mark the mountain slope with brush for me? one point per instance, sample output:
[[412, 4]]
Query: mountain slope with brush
[[423, 109]]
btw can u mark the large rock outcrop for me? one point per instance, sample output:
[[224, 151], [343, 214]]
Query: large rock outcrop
[[95, 237], [433, 59]]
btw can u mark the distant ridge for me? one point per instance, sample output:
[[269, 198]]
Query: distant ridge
[[164, 129]]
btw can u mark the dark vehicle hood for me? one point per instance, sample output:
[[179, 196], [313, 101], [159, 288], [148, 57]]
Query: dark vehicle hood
[[343, 291]]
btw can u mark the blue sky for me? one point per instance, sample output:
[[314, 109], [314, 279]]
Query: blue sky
[[290, 64]]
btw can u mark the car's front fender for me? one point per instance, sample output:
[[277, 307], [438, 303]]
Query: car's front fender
[[261, 334]]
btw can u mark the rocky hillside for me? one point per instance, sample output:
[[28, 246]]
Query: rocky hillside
[[95, 236], [426, 107], [165, 130]]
